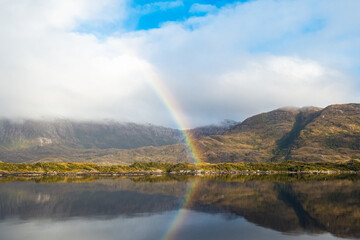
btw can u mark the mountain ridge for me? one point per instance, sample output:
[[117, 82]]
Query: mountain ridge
[[310, 134], [303, 134]]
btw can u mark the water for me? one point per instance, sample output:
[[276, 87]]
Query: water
[[247, 207]]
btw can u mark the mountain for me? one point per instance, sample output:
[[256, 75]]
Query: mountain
[[333, 134], [305, 134], [84, 135], [66, 140]]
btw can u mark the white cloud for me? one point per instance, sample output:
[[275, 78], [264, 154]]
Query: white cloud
[[269, 81], [160, 6], [245, 59], [30, 16], [251, 45], [55, 72], [202, 8]]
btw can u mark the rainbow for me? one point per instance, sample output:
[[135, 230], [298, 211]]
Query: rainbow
[[167, 98], [182, 215], [176, 113]]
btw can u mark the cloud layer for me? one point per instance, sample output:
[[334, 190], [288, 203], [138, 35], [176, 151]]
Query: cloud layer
[[235, 61]]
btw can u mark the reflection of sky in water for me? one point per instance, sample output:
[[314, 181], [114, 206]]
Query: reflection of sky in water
[[198, 226]]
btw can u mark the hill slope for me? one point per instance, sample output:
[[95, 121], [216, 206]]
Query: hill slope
[[98, 142], [83, 135], [332, 135], [305, 134]]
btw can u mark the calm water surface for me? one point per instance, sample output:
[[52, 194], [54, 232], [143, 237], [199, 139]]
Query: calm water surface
[[247, 207]]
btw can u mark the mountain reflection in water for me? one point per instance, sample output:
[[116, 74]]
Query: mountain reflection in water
[[246, 207]]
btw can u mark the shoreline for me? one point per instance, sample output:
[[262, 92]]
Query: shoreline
[[162, 173], [153, 168]]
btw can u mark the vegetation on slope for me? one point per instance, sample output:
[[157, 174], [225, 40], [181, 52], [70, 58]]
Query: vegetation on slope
[[288, 166], [333, 135]]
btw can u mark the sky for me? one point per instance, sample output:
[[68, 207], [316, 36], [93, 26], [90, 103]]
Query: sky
[[122, 59]]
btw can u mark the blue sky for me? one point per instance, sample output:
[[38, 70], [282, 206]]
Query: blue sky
[[145, 15], [90, 59]]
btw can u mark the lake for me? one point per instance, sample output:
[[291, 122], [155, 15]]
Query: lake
[[181, 207]]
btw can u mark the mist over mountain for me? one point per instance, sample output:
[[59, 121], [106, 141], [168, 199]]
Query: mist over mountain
[[33, 140], [308, 134], [213, 129], [84, 135]]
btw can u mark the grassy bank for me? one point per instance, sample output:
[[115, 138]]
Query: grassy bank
[[288, 166], [285, 178]]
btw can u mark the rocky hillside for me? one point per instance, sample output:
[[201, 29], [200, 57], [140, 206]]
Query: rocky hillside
[[307, 134], [303, 134]]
